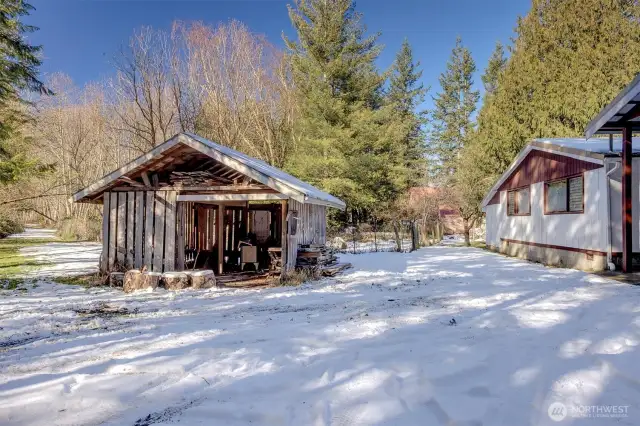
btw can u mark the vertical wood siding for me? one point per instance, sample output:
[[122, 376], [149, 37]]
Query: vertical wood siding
[[311, 228], [540, 166], [139, 229]]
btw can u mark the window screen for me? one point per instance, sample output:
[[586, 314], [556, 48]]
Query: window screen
[[522, 205], [518, 202], [576, 194], [557, 196]]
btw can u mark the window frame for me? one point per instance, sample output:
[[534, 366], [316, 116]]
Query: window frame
[[565, 179], [515, 209]]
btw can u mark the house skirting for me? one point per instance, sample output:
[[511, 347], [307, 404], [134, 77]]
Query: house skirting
[[552, 255]]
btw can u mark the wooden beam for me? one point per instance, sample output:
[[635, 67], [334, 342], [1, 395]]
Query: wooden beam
[[627, 229], [130, 228], [220, 238], [113, 221], [138, 243], [121, 230], [170, 232], [180, 237], [148, 229], [283, 236], [104, 256], [145, 179], [230, 197], [131, 181], [158, 231]]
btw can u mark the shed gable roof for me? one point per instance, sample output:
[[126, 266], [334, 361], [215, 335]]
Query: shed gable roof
[[253, 168]]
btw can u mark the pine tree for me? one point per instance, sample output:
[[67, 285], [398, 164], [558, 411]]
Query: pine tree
[[19, 62], [342, 144], [405, 95], [496, 65], [451, 118]]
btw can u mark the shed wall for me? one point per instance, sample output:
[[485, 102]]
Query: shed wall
[[130, 241], [311, 227]]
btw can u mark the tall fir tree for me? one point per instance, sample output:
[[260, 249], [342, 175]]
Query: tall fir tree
[[495, 67], [19, 62], [451, 118], [568, 60], [345, 145], [405, 95]]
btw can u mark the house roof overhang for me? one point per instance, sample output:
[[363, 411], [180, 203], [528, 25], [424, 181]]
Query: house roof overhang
[[255, 169], [623, 111]]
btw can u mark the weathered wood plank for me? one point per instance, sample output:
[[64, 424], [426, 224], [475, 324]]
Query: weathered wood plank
[[220, 237], [148, 229], [138, 242], [104, 256], [170, 232], [231, 197], [158, 231], [113, 224], [121, 230], [180, 237], [130, 229]]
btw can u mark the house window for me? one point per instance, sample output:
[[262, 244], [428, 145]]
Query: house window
[[519, 202], [564, 195]]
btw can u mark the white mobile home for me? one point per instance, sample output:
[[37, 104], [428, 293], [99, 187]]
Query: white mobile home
[[560, 203]]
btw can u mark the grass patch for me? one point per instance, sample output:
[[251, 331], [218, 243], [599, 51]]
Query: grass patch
[[12, 263], [89, 280]]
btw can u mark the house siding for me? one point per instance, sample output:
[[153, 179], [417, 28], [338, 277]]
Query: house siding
[[553, 238]]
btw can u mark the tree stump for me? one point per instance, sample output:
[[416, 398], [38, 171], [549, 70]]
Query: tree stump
[[175, 280], [203, 279], [151, 279], [132, 280], [116, 279]]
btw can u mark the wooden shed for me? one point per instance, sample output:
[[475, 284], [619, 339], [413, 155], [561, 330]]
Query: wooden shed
[[192, 203]]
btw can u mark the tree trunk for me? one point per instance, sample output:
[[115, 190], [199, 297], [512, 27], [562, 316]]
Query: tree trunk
[[396, 231], [465, 224]]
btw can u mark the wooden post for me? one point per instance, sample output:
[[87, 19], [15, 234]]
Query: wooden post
[[139, 225], [121, 230], [284, 234], [170, 232], [627, 233], [158, 231], [104, 256], [180, 226], [130, 228], [220, 237], [148, 230], [113, 221]]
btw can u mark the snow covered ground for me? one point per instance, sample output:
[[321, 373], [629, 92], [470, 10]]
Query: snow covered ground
[[376, 345]]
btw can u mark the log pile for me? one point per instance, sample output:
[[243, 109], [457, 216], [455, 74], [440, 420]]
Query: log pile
[[197, 178], [319, 257]]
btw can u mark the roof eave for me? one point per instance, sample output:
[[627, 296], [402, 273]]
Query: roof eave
[[623, 98]]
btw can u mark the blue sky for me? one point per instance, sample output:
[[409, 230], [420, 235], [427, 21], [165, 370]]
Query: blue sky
[[80, 38]]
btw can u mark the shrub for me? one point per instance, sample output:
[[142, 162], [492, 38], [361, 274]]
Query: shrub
[[299, 276], [9, 226], [79, 229]]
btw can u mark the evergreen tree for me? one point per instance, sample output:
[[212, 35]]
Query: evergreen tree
[[19, 63], [344, 145], [405, 95], [496, 65], [568, 60], [451, 118]]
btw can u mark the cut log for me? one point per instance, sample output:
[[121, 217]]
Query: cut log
[[116, 279], [175, 280], [203, 279], [151, 279], [132, 280]]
